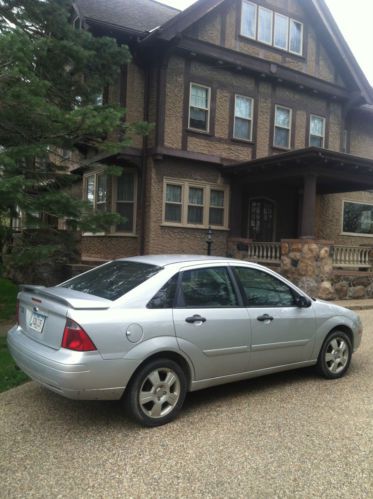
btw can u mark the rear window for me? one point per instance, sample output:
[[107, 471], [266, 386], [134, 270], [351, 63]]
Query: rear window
[[113, 280]]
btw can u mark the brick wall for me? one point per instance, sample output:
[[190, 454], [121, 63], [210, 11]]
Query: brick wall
[[162, 239]]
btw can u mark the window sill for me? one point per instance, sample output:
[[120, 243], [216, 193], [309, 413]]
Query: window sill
[[278, 50], [280, 149], [243, 141], [354, 234], [116, 234], [193, 131], [194, 227]]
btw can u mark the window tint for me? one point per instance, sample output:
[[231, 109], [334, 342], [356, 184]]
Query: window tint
[[211, 287], [264, 290], [113, 280], [166, 295]]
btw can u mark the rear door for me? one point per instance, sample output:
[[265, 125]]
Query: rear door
[[212, 326], [282, 333]]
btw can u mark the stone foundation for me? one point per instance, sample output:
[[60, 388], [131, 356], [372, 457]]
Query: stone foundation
[[352, 285]]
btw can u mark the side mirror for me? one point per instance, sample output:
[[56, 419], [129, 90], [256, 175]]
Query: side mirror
[[302, 302]]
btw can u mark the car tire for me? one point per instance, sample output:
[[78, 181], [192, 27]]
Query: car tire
[[157, 392], [335, 355]]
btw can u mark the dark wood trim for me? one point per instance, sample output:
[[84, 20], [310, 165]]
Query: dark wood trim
[[190, 155], [234, 61], [161, 101], [223, 16], [187, 78]]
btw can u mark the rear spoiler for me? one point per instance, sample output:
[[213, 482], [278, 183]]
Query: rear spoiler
[[81, 301]]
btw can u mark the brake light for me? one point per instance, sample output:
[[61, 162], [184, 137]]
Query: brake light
[[17, 312], [75, 338]]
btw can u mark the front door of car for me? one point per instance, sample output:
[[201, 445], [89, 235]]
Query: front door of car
[[282, 332], [212, 326]]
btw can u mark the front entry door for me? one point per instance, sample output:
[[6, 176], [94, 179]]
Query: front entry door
[[261, 220]]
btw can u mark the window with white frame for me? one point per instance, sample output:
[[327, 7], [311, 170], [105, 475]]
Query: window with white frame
[[317, 131], [125, 200], [195, 204], [243, 118], [271, 28], [95, 191], [123, 196], [357, 218], [282, 131], [199, 107]]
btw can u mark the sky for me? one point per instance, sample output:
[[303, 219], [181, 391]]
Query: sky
[[355, 24]]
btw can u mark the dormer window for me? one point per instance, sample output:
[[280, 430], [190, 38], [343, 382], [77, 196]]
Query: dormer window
[[271, 28]]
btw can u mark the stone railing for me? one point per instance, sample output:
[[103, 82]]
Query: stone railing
[[264, 252], [351, 257]]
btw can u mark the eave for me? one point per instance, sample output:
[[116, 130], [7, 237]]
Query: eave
[[237, 62]]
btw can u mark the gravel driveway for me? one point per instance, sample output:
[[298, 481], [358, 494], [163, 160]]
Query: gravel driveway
[[287, 435]]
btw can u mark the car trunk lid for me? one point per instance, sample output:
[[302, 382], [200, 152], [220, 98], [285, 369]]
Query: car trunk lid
[[43, 311]]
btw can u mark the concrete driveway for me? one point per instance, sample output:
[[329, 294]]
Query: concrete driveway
[[288, 435]]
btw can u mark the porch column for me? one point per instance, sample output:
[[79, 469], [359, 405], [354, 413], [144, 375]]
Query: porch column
[[307, 228]]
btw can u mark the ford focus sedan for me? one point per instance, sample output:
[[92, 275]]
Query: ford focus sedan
[[149, 329]]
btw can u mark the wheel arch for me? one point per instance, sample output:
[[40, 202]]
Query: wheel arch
[[345, 329], [170, 355]]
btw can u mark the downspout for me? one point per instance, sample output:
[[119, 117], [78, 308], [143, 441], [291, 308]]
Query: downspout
[[144, 157]]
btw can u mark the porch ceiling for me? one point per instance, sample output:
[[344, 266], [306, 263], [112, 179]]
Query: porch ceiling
[[334, 171]]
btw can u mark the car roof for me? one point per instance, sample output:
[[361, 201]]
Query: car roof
[[163, 260]]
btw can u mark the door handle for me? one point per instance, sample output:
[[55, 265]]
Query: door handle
[[265, 318], [195, 318]]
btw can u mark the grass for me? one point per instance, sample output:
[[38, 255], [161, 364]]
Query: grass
[[10, 375], [8, 296]]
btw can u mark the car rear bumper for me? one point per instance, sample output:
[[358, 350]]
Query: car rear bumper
[[75, 375]]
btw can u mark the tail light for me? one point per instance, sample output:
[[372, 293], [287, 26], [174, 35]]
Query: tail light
[[17, 312], [75, 338]]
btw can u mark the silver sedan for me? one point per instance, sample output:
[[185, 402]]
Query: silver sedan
[[149, 329]]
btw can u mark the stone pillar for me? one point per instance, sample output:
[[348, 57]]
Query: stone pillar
[[307, 228], [309, 264]]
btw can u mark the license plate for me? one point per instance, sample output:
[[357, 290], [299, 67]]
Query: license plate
[[37, 322]]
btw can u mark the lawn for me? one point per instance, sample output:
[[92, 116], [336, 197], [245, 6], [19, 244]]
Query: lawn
[[10, 375], [8, 296]]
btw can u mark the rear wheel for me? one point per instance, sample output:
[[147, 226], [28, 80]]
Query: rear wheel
[[335, 355], [157, 392]]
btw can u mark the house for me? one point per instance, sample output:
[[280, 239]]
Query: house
[[263, 132]]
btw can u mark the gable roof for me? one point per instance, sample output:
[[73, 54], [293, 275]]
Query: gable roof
[[134, 15]]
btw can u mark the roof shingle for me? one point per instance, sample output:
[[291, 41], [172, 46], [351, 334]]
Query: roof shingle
[[138, 15]]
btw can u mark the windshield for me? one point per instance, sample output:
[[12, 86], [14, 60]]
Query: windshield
[[113, 280]]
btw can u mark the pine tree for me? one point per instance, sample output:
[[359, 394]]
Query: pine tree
[[50, 77]]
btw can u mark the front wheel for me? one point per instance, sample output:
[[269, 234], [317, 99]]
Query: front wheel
[[335, 355], [157, 392]]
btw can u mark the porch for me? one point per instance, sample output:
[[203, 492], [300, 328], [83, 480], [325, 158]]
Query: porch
[[275, 220]]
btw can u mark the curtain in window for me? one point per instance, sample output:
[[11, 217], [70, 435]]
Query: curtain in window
[[265, 19], [248, 27], [199, 97], [281, 31], [295, 37], [282, 117]]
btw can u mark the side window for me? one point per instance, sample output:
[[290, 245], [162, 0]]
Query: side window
[[264, 290], [165, 297], [207, 288]]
